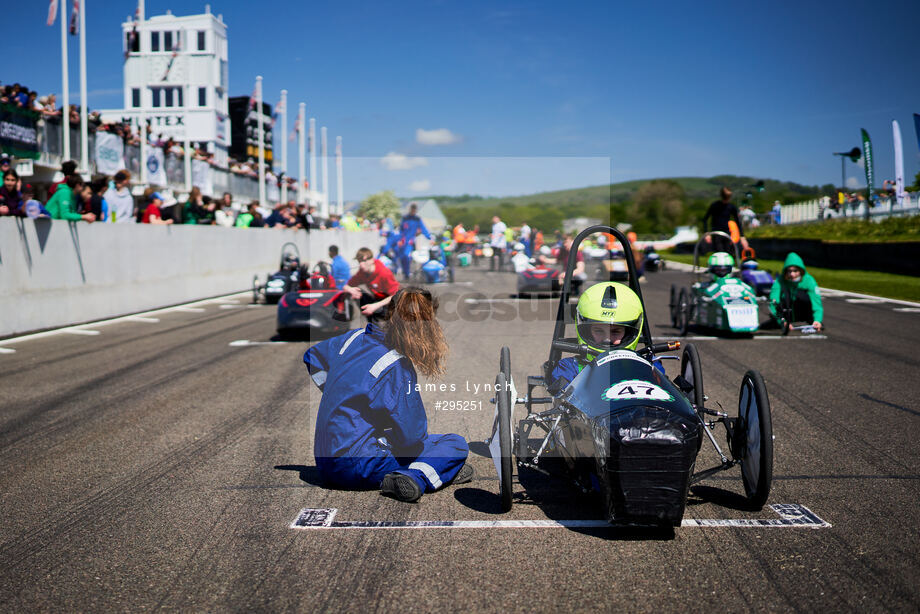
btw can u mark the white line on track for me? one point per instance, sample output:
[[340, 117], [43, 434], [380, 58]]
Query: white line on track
[[754, 338], [190, 309], [245, 342], [81, 331], [908, 309], [791, 515], [866, 300], [7, 351], [128, 318], [142, 319]]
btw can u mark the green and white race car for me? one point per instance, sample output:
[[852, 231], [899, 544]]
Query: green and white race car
[[718, 299]]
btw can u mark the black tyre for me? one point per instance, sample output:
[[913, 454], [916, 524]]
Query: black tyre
[[450, 272], [691, 370], [504, 363], [786, 327], [503, 396], [755, 426], [684, 309], [672, 304]]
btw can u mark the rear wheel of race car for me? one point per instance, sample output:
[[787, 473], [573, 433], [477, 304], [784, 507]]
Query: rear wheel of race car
[[755, 427], [503, 396], [504, 363], [786, 327], [255, 288], [684, 308], [673, 306], [691, 371], [450, 271]]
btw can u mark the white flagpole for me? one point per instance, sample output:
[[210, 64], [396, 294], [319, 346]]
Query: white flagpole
[[284, 141], [142, 117], [187, 158], [84, 103], [65, 77], [261, 142], [312, 144], [302, 150], [324, 212], [338, 175]]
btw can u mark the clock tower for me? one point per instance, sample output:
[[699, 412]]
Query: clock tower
[[176, 79]]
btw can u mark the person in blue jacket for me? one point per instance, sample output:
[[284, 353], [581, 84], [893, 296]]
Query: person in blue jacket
[[341, 272], [432, 269], [410, 226], [371, 429]]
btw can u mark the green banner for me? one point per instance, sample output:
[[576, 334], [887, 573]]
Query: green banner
[[19, 132], [867, 159]]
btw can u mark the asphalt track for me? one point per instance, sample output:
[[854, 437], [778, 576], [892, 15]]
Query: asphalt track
[[158, 466]]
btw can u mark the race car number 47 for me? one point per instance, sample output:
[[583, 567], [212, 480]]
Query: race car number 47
[[636, 389]]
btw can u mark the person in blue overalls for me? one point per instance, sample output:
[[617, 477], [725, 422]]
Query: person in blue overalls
[[410, 226], [371, 430], [341, 272]]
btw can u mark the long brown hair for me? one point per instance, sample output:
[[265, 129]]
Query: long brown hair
[[413, 330]]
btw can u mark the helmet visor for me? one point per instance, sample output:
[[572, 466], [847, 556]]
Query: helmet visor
[[721, 271], [603, 336]]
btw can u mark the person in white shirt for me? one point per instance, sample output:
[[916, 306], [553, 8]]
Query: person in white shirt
[[120, 200], [525, 239], [498, 241]]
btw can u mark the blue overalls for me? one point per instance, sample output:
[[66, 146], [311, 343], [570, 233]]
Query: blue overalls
[[432, 271], [371, 420], [408, 228]]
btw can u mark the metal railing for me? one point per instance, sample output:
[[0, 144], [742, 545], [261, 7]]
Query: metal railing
[[824, 208]]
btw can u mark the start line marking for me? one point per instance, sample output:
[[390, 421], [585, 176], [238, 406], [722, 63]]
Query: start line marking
[[245, 342], [791, 515]]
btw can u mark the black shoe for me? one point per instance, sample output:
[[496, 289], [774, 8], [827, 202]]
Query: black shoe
[[400, 487], [465, 474]]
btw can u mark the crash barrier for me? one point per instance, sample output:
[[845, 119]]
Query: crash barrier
[[108, 154], [901, 257], [821, 209], [55, 273]]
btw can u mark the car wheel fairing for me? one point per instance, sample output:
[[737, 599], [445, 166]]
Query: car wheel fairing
[[691, 370], [684, 308], [755, 424], [503, 397]]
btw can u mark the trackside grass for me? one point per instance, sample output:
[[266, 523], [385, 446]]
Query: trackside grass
[[887, 285]]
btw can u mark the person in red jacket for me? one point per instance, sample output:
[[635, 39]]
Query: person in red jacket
[[373, 285]]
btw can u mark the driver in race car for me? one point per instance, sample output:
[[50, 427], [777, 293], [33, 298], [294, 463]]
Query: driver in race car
[[610, 317], [720, 265], [798, 290]]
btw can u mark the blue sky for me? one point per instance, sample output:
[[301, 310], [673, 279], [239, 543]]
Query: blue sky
[[598, 90]]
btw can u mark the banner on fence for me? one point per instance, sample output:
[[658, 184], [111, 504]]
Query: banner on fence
[[110, 153], [898, 162], [156, 168], [19, 132], [201, 177]]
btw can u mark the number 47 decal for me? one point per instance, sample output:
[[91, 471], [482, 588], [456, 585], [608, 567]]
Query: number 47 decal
[[636, 389]]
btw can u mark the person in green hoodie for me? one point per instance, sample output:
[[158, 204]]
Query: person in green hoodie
[[61, 206], [798, 289]]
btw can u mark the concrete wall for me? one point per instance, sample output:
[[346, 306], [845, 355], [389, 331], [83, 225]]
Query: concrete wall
[[54, 273]]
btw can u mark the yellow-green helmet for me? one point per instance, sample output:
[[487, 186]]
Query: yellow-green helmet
[[611, 304], [721, 263]]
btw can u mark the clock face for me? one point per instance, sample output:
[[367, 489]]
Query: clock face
[[167, 69]]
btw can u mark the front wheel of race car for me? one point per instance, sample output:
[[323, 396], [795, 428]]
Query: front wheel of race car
[[255, 288], [684, 309], [692, 372], [503, 396], [755, 426]]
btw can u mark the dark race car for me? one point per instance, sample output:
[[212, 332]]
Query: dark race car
[[752, 275], [541, 279], [285, 280], [316, 308]]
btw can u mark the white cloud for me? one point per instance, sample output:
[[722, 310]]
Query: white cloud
[[422, 185], [853, 183], [440, 136], [400, 162]]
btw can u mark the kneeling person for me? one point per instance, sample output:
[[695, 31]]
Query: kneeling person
[[371, 430]]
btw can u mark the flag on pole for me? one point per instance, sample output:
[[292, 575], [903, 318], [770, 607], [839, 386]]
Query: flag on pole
[[296, 129], [75, 18], [898, 162], [917, 127], [52, 12], [278, 109], [867, 161]]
